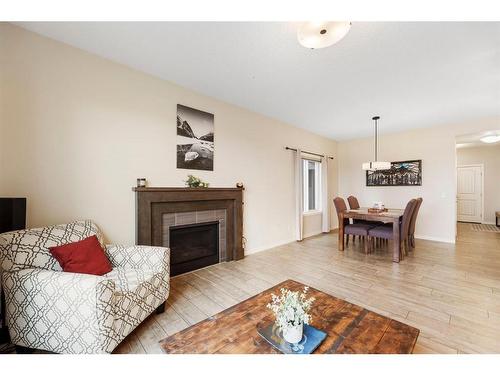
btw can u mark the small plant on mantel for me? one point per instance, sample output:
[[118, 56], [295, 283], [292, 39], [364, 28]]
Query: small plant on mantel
[[195, 182]]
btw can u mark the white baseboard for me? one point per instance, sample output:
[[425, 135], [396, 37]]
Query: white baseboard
[[286, 242], [437, 239], [423, 237], [267, 247], [281, 243], [315, 233], [488, 222]]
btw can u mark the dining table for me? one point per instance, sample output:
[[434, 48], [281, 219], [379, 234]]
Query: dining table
[[392, 215]]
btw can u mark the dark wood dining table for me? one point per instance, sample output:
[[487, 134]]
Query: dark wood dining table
[[394, 216]]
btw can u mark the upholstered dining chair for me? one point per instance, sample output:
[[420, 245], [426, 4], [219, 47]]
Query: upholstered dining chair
[[413, 221], [354, 205], [355, 229], [386, 232], [353, 202]]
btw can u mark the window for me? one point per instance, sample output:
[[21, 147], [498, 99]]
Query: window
[[312, 185]]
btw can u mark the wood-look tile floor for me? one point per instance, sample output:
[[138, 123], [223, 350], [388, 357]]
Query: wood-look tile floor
[[451, 292]]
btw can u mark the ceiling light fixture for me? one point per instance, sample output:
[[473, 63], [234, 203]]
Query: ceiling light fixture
[[490, 139], [321, 34], [376, 165]]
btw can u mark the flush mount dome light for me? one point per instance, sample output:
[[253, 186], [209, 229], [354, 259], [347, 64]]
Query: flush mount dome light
[[490, 138], [321, 34]]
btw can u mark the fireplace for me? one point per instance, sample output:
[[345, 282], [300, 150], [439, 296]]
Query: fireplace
[[200, 226], [193, 246]]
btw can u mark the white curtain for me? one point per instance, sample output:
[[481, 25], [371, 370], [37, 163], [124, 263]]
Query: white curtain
[[325, 220], [299, 203]]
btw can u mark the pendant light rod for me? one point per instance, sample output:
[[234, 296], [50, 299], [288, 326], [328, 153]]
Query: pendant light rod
[[376, 118], [376, 165]]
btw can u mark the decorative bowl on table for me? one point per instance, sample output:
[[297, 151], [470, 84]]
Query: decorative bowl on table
[[376, 210]]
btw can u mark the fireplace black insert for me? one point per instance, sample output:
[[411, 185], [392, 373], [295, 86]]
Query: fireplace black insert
[[193, 246]]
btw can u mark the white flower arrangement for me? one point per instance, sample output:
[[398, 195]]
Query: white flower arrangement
[[291, 308]]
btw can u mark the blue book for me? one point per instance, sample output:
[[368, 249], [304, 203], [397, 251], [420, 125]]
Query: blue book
[[312, 338]]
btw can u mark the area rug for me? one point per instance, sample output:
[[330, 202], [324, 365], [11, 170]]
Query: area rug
[[485, 228]]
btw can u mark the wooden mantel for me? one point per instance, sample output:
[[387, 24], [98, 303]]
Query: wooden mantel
[[184, 189], [153, 202]]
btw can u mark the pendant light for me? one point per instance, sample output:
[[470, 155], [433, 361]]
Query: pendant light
[[376, 165], [321, 34]]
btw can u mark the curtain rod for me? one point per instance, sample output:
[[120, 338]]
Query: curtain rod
[[307, 152]]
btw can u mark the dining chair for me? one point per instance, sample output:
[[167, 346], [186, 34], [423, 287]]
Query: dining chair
[[354, 205], [386, 232], [413, 221], [355, 229], [353, 202]]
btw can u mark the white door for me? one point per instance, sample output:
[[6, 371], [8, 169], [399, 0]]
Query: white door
[[470, 193]]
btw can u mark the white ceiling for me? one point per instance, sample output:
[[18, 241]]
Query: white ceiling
[[412, 74]]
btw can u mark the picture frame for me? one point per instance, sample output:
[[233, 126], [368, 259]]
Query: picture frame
[[402, 173], [195, 139]]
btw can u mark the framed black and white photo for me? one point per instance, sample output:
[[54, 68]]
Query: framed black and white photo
[[195, 139], [402, 173]]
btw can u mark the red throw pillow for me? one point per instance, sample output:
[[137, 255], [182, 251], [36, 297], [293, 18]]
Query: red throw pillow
[[85, 256]]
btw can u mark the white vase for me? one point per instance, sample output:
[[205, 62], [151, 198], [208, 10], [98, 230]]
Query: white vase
[[293, 334]]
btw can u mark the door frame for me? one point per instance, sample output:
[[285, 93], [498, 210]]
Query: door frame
[[482, 188]]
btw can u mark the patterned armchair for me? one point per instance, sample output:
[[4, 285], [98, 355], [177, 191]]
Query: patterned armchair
[[77, 313]]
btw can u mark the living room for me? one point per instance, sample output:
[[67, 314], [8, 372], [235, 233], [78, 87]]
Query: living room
[[229, 160]]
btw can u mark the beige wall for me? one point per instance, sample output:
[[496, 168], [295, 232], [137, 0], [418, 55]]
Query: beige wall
[[436, 147], [2, 136], [79, 130], [489, 156]]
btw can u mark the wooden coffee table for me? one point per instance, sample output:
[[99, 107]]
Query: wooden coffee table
[[349, 328]]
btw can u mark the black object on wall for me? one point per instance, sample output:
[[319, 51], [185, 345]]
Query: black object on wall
[[12, 217], [12, 214]]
